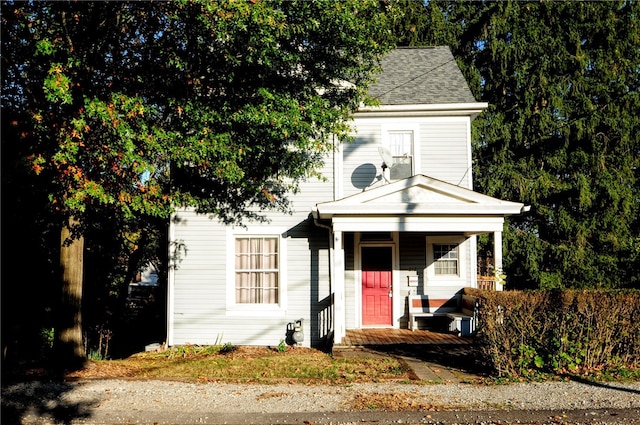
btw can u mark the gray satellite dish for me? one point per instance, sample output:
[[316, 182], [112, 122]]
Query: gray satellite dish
[[387, 157]]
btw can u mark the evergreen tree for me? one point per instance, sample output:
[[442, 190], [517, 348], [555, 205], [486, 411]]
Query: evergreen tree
[[561, 133]]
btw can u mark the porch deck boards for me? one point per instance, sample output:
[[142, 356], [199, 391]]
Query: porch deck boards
[[364, 337]]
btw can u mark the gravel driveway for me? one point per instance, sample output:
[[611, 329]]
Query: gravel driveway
[[154, 402]]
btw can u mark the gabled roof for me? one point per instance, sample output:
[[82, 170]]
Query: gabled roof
[[421, 75], [418, 196]]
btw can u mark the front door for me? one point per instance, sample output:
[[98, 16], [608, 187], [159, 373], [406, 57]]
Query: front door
[[376, 285]]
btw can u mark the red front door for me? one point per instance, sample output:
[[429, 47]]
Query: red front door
[[376, 286]]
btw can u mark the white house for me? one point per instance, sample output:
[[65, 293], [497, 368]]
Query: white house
[[396, 216]]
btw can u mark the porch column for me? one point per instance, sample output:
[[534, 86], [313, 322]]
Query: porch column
[[339, 322], [497, 258]]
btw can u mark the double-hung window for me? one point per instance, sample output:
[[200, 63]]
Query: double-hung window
[[257, 271], [401, 147], [402, 140], [446, 259]]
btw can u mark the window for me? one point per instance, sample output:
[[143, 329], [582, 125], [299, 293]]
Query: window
[[401, 147], [445, 258], [257, 274]]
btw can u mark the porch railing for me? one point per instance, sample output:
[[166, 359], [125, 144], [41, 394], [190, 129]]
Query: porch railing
[[325, 317], [487, 283]]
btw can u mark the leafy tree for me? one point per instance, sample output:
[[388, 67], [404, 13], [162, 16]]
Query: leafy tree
[[130, 109], [561, 132]]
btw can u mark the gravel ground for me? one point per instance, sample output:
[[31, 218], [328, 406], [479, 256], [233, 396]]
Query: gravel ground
[[155, 402]]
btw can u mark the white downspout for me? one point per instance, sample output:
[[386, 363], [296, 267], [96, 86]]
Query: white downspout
[[170, 286]]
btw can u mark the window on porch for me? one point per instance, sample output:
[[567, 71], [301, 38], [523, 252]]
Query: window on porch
[[446, 259]]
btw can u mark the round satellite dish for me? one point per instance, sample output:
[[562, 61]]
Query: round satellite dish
[[386, 155]]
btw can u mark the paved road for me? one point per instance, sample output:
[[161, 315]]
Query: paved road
[[521, 417], [591, 417]]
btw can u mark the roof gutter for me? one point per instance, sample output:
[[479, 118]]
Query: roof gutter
[[435, 109]]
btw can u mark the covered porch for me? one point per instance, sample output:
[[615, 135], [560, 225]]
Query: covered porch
[[394, 236]]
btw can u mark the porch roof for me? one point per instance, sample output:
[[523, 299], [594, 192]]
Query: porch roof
[[418, 203]]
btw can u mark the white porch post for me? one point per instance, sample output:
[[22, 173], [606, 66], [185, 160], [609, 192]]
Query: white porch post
[[497, 257], [339, 322]]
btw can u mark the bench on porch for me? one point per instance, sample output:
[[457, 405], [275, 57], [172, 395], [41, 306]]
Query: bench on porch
[[460, 309]]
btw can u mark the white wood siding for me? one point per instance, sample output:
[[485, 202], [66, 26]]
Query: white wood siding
[[199, 311], [444, 151], [196, 292], [361, 159], [413, 254]]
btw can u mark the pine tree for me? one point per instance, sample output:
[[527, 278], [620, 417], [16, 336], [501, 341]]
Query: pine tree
[[561, 133]]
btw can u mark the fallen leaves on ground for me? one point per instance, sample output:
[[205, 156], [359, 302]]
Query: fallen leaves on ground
[[396, 402], [104, 370]]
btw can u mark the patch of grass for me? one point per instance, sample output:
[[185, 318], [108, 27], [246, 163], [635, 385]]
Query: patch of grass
[[400, 401], [227, 348], [248, 364]]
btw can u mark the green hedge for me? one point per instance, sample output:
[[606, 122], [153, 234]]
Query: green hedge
[[522, 333]]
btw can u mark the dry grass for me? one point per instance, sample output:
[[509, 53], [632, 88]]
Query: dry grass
[[402, 401], [247, 364]]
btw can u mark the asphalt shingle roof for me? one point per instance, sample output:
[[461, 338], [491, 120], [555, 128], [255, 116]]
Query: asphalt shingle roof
[[420, 75]]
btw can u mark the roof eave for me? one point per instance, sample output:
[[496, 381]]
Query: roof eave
[[419, 210], [435, 109]]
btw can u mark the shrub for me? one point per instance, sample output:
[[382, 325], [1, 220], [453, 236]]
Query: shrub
[[522, 333]]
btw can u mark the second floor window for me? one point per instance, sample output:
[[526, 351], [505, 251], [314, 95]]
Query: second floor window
[[401, 147]]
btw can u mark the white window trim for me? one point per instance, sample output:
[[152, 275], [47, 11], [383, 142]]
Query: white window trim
[[432, 278], [251, 310], [405, 125]]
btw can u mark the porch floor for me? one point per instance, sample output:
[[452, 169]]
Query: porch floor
[[388, 336]]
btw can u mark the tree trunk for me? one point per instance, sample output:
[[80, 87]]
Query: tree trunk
[[70, 353]]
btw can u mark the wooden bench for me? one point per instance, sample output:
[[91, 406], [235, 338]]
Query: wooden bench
[[460, 309]]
